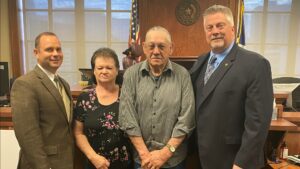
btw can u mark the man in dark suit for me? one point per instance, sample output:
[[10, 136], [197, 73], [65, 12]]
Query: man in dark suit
[[234, 97], [42, 110]]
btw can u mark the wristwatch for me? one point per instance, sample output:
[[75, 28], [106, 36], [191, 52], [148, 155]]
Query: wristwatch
[[171, 148]]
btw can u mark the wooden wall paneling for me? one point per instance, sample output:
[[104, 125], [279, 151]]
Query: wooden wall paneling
[[190, 40], [292, 140], [15, 47]]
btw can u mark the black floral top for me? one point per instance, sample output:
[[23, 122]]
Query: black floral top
[[101, 127]]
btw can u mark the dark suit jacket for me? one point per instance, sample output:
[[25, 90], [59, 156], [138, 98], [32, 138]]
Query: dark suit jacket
[[40, 123], [233, 110]]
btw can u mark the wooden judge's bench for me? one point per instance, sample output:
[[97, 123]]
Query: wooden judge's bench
[[285, 128]]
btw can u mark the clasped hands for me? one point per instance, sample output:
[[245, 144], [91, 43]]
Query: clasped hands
[[154, 159]]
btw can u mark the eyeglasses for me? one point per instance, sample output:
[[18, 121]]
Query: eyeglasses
[[160, 46]]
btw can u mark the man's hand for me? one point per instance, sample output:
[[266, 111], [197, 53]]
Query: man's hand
[[145, 159], [158, 158], [142, 150]]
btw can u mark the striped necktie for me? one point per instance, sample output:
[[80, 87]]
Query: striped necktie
[[64, 96], [58, 84], [210, 68]]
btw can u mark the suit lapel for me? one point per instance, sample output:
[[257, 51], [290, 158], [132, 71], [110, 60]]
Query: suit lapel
[[51, 89], [218, 74], [196, 69]]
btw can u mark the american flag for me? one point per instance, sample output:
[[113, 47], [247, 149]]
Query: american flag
[[134, 35]]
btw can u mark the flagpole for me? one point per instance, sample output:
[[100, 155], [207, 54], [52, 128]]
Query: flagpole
[[238, 17]]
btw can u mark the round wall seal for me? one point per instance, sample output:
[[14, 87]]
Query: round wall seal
[[187, 12]]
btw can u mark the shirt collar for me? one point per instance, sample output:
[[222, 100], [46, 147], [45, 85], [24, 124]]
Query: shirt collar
[[224, 53], [48, 73], [145, 67]]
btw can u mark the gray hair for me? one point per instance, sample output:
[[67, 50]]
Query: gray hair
[[220, 9], [159, 28]]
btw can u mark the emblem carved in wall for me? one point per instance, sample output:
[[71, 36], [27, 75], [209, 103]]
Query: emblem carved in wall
[[187, 12]]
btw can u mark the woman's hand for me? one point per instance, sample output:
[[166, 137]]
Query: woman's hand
[[99, 162]]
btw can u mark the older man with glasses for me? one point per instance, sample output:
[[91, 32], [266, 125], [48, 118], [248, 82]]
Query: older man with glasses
[[157, 105]]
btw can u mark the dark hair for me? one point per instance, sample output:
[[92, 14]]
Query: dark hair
[[38, 38], [105, 53]]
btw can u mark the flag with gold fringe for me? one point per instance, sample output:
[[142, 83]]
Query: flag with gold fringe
[[240, 36]]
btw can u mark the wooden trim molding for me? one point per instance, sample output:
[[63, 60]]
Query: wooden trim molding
[[14, 37]]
